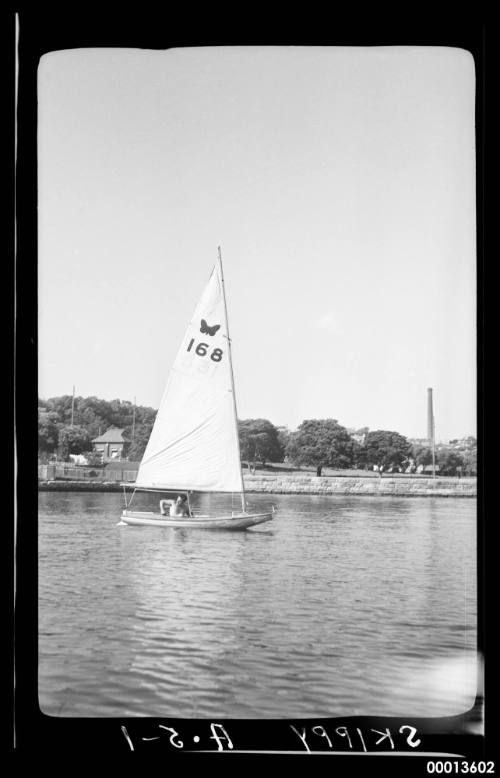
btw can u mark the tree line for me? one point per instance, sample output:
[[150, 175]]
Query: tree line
[[67, 425]]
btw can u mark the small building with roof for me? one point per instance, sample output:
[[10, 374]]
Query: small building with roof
[[111, 444]]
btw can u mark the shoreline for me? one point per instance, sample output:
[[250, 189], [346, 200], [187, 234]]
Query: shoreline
[[314, 485]]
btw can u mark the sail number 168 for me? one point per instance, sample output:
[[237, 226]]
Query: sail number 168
[[202, 350]]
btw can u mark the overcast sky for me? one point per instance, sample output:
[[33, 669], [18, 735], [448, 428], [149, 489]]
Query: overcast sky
[[340, 185]]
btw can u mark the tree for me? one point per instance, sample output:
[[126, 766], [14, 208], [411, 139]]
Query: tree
[[470, 461], [94, 414], [73, 440], [48, 431], [259, 442], [358, 455], [137, 447], [321, 443], [386, 449], [91, 413], [449, 461], [283, 438], [61, 406], [422, 455]]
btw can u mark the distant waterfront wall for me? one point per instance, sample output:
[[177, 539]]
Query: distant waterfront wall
[[91, 474], [402, 487], [280, 484]]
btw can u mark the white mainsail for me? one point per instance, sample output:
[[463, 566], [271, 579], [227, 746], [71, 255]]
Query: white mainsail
[[194, 441]]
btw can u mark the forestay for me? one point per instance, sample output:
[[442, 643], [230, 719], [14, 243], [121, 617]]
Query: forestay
[[194, 443]]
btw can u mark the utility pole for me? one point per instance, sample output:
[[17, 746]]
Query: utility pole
[[133, 422], [431, 430], [73, 406]]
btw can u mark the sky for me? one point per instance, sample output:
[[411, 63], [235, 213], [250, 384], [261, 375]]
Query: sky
[[339, 183]]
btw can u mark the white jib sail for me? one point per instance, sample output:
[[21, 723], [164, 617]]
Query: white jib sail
[[194, 444]]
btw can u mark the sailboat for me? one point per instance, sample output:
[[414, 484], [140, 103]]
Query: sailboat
[[194, 443]]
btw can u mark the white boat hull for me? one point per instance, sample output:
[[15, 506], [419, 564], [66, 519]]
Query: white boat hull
[[235, 522]]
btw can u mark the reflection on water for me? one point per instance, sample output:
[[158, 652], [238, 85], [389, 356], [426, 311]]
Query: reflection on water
[[341, 606]]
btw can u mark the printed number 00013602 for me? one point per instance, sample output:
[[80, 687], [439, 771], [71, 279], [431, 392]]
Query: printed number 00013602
[[455, 766]]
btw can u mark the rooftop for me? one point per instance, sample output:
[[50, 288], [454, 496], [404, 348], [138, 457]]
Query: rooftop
[[113, 435]]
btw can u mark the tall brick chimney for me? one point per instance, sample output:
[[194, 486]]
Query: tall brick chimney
[[430, 417]]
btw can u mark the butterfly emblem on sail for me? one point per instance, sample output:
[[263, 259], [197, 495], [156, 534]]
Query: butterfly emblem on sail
[[205, 329]]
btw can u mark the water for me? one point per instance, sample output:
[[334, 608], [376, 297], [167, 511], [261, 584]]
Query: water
[[339, 607]]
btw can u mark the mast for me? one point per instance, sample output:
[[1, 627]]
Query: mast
[[243, 505]]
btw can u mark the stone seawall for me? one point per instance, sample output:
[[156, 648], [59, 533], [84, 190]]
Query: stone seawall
[[79, 486], [277, 484], [400, 487]]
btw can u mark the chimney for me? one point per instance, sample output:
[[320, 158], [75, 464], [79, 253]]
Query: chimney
[[430, 417]]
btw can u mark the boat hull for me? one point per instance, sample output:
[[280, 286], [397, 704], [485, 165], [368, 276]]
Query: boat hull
[[237, 522]]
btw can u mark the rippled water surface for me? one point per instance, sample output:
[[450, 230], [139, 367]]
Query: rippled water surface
[[341, 606]]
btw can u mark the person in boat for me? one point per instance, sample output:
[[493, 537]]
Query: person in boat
[[178, 507]]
